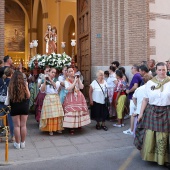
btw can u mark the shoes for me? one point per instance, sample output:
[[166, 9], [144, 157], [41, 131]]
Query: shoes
[[128, 132], [51, 133], [72, 131], [59, 131], [22, 145], [19, 145], [116, 125], [104, 128], [126, 117], [16, 145], [98, 127]]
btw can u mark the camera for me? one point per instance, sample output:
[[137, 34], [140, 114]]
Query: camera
[[77, 76], [47, 78]]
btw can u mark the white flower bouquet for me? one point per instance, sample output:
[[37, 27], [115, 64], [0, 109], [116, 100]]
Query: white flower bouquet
[[57, 61]]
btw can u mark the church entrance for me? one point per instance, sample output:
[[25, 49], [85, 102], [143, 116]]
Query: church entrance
[[83, 42], [27, 20]]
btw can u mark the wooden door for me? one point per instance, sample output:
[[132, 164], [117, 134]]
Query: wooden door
[[83, 42]]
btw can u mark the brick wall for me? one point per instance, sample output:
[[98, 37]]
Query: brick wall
[[119, 31], [2, 4]]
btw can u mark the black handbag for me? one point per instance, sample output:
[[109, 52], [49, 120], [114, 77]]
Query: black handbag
[[106, 100]]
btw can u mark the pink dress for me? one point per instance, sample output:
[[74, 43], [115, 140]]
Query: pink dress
[[76, 112]]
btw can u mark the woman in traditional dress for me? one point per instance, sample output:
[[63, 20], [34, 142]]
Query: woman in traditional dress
[[152, 133], [75, 106], [51, 119], [62, 79], [97, 93], [40, 97]]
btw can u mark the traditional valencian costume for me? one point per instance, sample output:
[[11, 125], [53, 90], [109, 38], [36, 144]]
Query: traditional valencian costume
[[75, 107], [152, 132], [52, 112]]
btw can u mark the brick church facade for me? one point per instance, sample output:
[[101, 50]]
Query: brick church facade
[[129, 31]]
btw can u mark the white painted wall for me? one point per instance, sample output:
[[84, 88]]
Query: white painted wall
[[162, 39], [162, 28], [160, 6]]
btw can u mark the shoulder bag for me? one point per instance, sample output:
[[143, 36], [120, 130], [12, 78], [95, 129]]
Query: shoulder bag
[[107, 102]]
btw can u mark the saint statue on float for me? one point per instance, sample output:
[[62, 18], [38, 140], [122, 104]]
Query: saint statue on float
[[51, 39]]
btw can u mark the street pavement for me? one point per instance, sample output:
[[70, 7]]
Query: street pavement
[[88, 149]]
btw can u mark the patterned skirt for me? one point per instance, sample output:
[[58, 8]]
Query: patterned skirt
[[76, 111], [52, 114], [152, 134], [156, 147]]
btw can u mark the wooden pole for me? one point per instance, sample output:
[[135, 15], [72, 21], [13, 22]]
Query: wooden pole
[[6, 145]]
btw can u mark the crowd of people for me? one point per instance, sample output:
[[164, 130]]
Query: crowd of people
[[59, 103]]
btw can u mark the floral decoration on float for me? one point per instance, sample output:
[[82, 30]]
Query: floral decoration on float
[[57, 61]]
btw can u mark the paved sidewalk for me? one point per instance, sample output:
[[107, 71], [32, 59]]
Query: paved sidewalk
[[40, 146]]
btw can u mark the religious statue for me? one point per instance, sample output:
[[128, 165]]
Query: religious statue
[[51, 39]]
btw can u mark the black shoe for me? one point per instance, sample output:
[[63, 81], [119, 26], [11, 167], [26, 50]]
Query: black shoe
[[104, 128], [98, 127], [72, 131], [167, 165]]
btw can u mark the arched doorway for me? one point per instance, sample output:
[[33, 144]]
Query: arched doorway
[[69, 34], [16, 31]]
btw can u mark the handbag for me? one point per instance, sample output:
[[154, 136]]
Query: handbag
[[106, 100]]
